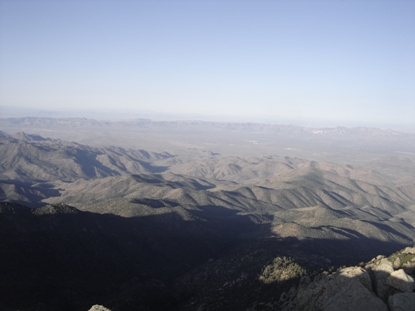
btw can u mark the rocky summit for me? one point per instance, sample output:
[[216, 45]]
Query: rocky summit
[[381, 284]]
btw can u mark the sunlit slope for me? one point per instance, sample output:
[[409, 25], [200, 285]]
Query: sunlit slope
[[310, 201], [31, 158], [295, 197]]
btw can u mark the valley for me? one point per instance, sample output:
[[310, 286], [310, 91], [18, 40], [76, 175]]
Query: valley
[[186, 215]]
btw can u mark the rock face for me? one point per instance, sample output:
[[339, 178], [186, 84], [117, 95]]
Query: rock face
[[401, 281], [380, 273], [382, 285], [347, 289], [402, 302]]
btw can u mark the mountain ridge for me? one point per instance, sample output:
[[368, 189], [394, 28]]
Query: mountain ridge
[[196, 228]]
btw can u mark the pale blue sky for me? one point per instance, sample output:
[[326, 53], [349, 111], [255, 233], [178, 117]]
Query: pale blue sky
[[324, 60]]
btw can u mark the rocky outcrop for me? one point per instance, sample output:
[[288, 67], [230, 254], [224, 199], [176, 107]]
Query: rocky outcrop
[[348, 289], [98, 308], [401, 281], [409, 251], [380, 273], [381, 284]]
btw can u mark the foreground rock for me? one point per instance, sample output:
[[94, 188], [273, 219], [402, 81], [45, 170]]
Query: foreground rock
[[351, 288], [380, 272], [98, 308], [401, 281], [347, 289], [402, 302]]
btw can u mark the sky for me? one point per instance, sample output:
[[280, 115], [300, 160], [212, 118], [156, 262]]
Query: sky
[[338, 61]]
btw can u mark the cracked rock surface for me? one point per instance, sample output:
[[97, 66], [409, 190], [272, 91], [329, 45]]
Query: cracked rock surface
[[382, 284]]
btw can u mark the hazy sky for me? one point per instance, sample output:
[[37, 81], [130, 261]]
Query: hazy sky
[[329, 60]]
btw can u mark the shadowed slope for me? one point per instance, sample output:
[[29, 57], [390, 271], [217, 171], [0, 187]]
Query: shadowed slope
[[57, 257]]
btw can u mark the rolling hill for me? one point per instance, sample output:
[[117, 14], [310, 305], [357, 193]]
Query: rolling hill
[[178, 230]]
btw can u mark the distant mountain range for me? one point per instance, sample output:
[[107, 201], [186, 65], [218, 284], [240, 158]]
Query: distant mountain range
[[188, 138]]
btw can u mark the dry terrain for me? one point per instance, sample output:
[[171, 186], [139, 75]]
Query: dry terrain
[[179, 215]]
